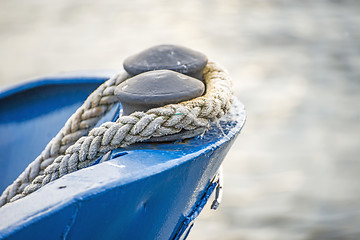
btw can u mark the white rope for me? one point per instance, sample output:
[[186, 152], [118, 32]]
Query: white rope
[[71, 150]]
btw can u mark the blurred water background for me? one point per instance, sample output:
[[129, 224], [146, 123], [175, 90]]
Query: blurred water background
[[294, 172]]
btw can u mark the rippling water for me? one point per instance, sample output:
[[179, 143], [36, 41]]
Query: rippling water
[[293, 173]]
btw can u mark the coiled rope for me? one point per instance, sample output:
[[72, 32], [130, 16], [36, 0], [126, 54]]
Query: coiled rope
[[76, 147]]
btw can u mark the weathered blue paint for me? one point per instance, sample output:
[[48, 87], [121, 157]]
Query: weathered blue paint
[[146, 191]]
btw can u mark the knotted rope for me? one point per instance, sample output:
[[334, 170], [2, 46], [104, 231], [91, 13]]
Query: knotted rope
[[70, 150]]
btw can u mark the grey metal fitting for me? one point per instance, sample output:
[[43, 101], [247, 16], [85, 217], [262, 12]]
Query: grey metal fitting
[[177, 58], [156, 89], [162, 75]]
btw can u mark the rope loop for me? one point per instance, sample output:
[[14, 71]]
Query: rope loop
[[78, 144]]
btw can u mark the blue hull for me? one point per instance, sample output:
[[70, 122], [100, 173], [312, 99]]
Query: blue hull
[[146, 191]]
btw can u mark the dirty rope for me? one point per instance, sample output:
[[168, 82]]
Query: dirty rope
[[76, 147]]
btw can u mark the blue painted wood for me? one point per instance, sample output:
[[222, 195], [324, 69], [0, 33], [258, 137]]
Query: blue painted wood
[[32, 113], [145, 191]]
